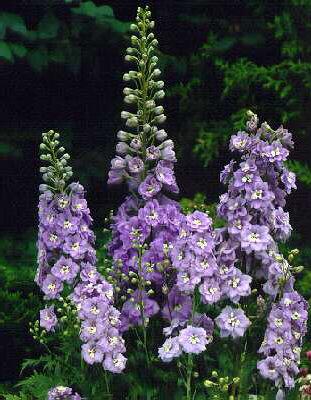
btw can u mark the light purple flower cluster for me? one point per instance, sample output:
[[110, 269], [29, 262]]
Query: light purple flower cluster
[[154, 225], [253, 209], [253, 205], [67, 264], [65, 239], [193, 258], [287, 324], [190, 336], [62, 393], [93, 297]]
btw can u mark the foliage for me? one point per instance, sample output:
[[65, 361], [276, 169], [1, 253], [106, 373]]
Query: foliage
[[262, 62], [57, 36], [303, 171]]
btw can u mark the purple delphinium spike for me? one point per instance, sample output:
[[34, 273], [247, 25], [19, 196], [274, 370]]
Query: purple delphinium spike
[[67, 259], [147, 223], [253, 208]]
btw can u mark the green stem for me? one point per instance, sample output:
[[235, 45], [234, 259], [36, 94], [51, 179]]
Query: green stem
[[189, 376], [108, 394], [141, 306]]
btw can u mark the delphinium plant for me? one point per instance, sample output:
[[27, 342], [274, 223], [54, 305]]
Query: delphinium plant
[[152, 241], [253, 208], [67, 272], [147, 221]]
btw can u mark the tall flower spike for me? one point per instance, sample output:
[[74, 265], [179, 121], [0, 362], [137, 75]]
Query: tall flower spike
[[144, 157], [67, 262]]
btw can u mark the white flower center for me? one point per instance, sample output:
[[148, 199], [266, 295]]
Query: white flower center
[[75, 246], [247, 178], [257, 194], [91, 330], [193, 339], [254, 237], [167, 347], [53, 238], [233, 320], [92, 352], [65, 269], [278, 322], [234, 282], [52, 287], [202, 243]]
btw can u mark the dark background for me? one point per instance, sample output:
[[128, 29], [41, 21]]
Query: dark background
[[83, 98]]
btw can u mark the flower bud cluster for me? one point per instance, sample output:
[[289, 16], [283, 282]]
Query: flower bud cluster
[[66, 263], [58, 172], [145, 156]]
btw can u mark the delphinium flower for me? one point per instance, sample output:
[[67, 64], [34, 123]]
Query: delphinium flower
[[67, 262], [253, 209], [253, 206], [62, 393], [147, 223]]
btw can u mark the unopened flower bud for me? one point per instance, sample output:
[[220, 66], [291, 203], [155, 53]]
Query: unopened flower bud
[[161, 135], [159, 119], [159, 94], [134, 39], [297, 270], [130, 99], [156, 72], [146, 128], [208, 383], [150, 103], [136, 143], [132, 122], [121, 135], [122, 148], [158, 110], [125, 114]]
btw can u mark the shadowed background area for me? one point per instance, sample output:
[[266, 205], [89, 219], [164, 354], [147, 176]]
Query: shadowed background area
[[61, 67]]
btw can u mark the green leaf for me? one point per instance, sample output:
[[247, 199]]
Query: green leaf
[[303, 171], [89, 9], [103, 15], [5, 51], [48, 26], [13, 22], [18, 49]]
